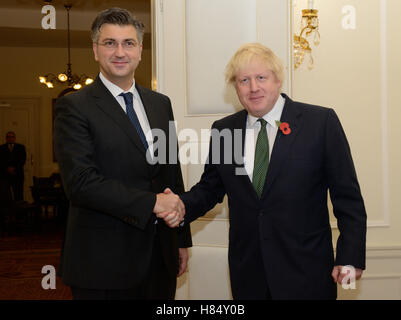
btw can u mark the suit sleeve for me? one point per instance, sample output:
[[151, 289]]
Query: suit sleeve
[[207, 192], [345, 194], [84, 183]]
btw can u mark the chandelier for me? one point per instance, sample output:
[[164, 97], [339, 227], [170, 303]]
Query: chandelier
[[309, 25], [67, 77]]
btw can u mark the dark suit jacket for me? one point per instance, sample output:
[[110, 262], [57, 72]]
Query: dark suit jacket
[[15, 159], [285, 237], [112, 190]]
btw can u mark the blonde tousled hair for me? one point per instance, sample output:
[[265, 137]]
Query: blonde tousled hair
[[250, 51]]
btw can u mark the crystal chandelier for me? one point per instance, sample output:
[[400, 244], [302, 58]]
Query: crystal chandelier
[[67, 77], [309, 25]]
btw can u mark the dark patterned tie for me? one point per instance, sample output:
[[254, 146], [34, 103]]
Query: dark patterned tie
[[261, 159], [128, 98]]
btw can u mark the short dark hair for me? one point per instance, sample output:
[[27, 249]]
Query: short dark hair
[[12, 132], [117, 16]]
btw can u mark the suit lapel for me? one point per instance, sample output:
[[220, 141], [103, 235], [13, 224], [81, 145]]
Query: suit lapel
[[106, 102], [282, 145], [239, 123], [154, 119]]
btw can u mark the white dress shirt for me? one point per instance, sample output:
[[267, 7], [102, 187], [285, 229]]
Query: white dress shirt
[[252, 130], [138, 107]]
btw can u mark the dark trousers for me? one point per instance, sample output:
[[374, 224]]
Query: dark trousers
[[253, 286], [263, 295], [17, 188], [158, 285]]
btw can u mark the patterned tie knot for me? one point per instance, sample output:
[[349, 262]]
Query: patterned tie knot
[[128, 97], [263, 122]]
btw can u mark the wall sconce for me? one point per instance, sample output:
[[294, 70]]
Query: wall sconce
[[309, 25]]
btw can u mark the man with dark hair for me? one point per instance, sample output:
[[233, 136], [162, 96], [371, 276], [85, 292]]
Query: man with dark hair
[[12, 161], [115, 246]]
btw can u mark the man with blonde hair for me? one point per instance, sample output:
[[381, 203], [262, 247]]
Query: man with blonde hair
[[246, 53], [280, 241]]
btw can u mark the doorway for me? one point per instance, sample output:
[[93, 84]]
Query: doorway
[[20, 116]]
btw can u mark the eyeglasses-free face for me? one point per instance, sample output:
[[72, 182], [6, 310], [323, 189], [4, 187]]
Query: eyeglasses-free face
[[257, 88], [10, 138]]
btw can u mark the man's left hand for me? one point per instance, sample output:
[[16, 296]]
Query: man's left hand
[[339, 274], [183, 260]]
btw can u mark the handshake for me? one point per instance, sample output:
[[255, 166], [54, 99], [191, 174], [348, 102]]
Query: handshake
[[170, 208]]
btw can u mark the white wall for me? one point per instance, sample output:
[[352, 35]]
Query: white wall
[[356, 73]]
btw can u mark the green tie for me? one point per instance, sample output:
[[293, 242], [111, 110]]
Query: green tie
[[261, 159]]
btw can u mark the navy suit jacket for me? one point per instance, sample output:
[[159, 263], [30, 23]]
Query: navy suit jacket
[[112, 190], [15, 159], [285, 237]]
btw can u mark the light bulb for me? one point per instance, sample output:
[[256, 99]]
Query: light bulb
[[42, 79], [49, 85], [88, 81], [77, 86], [62, 77]]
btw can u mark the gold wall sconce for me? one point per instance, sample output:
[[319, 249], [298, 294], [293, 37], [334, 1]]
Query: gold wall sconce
[[309, 26]]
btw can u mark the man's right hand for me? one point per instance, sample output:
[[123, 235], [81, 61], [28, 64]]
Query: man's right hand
[[170, 208]]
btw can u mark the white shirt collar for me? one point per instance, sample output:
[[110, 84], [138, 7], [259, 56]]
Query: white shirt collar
[[114, 89], [272, 116]]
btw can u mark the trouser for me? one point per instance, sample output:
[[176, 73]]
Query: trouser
[[17, 188], [159, 284]]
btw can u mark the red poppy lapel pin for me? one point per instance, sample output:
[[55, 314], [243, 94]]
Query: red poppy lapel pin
[[284, 127]]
